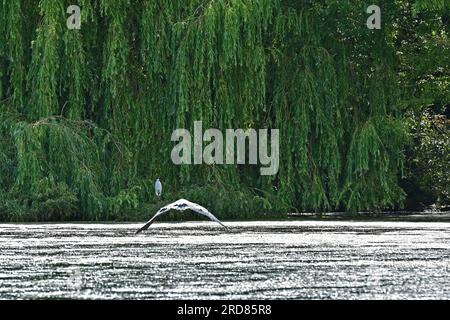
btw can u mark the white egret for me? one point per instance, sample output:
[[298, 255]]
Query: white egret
[[181, 205], [158, 188]]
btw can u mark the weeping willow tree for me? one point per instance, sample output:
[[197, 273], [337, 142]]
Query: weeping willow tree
[[87, 115]]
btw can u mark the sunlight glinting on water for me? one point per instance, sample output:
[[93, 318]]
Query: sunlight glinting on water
[[310, 260]]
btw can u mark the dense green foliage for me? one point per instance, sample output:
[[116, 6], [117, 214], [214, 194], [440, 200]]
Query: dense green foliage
[[86, 115], [428, 169], [424, 72]]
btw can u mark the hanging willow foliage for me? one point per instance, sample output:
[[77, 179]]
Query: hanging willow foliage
[[92, 110]]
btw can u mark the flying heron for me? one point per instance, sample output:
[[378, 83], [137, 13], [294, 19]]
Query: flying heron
[[181, 205]]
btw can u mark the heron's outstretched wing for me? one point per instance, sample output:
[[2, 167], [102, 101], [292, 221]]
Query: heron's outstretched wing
[[149, 223], [199, 209]]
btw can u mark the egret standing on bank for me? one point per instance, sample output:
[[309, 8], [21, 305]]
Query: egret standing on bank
[[158, 188]]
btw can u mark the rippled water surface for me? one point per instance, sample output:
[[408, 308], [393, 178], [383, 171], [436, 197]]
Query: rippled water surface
[[256, 260]]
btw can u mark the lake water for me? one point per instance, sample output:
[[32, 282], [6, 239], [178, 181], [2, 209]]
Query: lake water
[[251, 260]]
